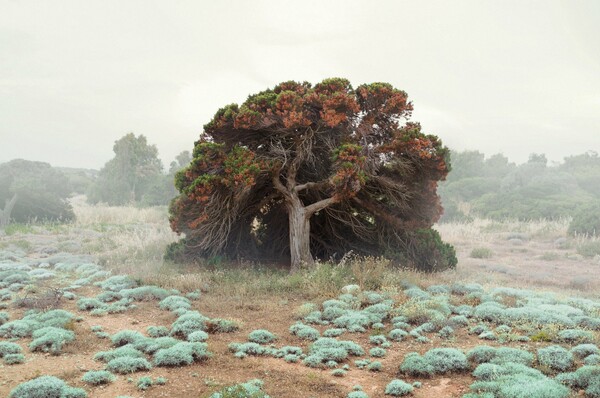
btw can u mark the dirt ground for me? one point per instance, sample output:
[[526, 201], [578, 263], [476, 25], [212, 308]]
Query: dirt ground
[[522, 262]]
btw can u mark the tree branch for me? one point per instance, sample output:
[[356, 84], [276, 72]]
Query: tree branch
[[311, 185], [320, 205]]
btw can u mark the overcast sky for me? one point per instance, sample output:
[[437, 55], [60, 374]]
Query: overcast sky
[[499, 76]]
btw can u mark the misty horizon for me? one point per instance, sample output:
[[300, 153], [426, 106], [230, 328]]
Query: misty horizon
[[512, 78]]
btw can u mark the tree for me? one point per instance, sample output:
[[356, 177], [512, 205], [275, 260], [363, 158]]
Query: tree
[[126, 177], [33, 190], [301, 171]]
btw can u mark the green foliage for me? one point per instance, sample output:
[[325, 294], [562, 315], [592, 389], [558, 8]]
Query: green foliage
[[304, 332], [126, 337], [50, 339], [583, 350], [495, 188], [144, 383], [183, 353], [481, 252], [42, 191], [125, 351], [125, 365], [98, 377], [46, 387], [191, 321], [13, 359], [250, 389], [377, 352], [261, 336], [398, 388], [589, 249], [157, 331], [586, 220], [173, 303], [513, 380], [130, 175], [555, 357]]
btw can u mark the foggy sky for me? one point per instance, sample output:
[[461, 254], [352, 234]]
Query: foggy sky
[[499, 76]]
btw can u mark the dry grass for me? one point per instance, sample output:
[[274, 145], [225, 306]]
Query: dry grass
[[93, 215]]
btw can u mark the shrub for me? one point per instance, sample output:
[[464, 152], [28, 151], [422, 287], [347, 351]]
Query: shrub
[[445, 360], [51, 339], [334, 332], [198, 337], [157, 331], [397, 334], [589, 249], [261, 336], [582, 378], [446, 332], [584, 350], [173, 303], [481, 252], [88, 304], [97, 377], [4, 317], [415, 365], [191, 321], [575, 336], [144, 383], [586, 220], [513, 380], [338, 372], [8, 348], [13, 359], [145, 293], [481, 354], [592, 360], [46, 387], [377, 352], [183, 353], [124, 365], [121, 352], [304, 332], [17, 329], [250, 389], [374, 366], [398, 388], [126, 337], [326, 349], [117, 283], [555, 357], [515, 355], [217, 325]]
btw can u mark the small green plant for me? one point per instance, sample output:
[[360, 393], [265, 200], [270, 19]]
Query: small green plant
[[144, 383], [398, 388], [250, 389], [125, 365], [481, 252], [51, 339], [98, 377], [261, 336], [555, 358], [589, 249], [46, 387]]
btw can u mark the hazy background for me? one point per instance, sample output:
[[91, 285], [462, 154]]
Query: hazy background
[[514, 76]]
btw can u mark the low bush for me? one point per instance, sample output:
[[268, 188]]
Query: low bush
[[13, 359], [51, 339], [586, 220], [126, 337], [46, 387], [144, 383], [584, 350], [173, 303], [125, 365], [575, 336], [121, 352], [157, 331], [481, 252], [191, 321], [398, 388], [183, 353], [304, 332], [261, 336], [555, 357], [98, 377], [250, 389]]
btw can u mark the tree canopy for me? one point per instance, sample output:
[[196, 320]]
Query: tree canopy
[[302, 171], [130, 174], [33, 190]]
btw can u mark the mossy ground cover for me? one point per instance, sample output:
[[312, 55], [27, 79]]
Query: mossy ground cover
[[299, 333]]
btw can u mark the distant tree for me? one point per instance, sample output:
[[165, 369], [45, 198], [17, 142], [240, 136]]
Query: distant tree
[[301, 171], [33, 190], [181, 161], [129, 175]]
